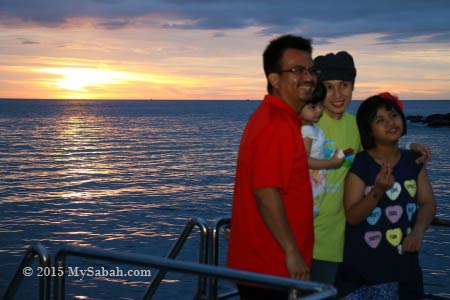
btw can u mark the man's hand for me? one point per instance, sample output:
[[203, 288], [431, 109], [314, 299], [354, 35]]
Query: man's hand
[[296, 266], [272, 211]]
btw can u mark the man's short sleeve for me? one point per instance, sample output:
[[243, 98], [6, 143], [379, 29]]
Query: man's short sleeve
[[273, 158]]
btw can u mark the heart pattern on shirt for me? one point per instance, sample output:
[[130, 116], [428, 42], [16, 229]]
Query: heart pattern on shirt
[[394, 213], [410, 210], [367, 190], [411, 187], [373, 238], [394, 236], [394, 191], [374, 216]]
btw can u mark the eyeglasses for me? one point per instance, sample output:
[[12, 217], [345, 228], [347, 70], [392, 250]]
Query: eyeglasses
[[300, 70]]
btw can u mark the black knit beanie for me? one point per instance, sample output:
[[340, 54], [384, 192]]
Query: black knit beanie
[[339, 66]]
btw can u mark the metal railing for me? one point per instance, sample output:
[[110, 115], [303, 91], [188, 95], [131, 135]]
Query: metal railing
[[219, 223], [173, 252], [44, 282], [224, 222], [440, 222], [206, 268], [312, 290]]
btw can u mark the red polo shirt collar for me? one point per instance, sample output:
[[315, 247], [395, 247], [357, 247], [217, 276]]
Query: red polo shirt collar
[[273, 100]]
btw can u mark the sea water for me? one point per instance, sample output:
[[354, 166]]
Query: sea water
[[128, 176]]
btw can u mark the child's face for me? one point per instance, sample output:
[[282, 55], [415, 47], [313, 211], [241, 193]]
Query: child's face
[[311, 113], [387, 126], [339, 95]]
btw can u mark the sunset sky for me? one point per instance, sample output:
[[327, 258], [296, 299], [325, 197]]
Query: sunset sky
[[200, 49]]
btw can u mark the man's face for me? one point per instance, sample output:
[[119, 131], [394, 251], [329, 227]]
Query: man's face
[[339, 95], [295, 83]]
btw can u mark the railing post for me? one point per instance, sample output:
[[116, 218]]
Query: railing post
[[175, 249], [214, 252], [60, 264], [44, 282], [44, 261], [203, 257]]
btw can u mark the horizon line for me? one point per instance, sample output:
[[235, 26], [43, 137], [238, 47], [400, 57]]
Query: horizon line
[[150, 99]]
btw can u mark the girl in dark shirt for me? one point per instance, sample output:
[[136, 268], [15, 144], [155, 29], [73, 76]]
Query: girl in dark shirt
[[389, 204]]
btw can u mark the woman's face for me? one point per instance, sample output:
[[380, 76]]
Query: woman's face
[[339, 95]]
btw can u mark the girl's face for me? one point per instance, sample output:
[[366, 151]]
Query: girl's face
[[311, 113], [339, 95], [387, 126]]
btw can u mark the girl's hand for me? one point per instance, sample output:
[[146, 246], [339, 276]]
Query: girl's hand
[[412, 242], [336, 160], [384, 179]]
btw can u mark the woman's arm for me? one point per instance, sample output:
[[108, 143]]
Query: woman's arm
[[422, 149], [357, 206], [425, 214]]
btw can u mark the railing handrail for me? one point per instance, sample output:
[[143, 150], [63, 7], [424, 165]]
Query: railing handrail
[[44, 282], [175, 249], [214, 253], [322, 290], [168, 264], [440, 222]]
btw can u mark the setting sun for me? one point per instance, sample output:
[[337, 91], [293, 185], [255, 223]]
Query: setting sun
[[86, 82], [79, 79]]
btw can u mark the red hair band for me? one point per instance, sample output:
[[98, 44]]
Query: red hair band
[[389, 96]]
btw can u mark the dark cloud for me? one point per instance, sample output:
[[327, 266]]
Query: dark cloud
[[398, 21], [114, 24], [28, 42], [219, 34]]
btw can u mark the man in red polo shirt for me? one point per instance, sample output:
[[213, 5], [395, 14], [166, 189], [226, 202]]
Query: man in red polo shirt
[[272, 215]]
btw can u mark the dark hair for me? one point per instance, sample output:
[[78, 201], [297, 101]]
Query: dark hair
[[339, 66], [366, 114], [273, 54], [319, 94]]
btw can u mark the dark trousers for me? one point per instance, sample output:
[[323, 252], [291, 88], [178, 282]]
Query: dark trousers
[[254, 293]]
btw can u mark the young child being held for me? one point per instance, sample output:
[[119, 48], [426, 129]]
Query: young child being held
[[314, 139], [388, 203]]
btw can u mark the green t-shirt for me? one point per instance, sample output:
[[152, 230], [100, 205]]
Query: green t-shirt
[[329, 225]]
